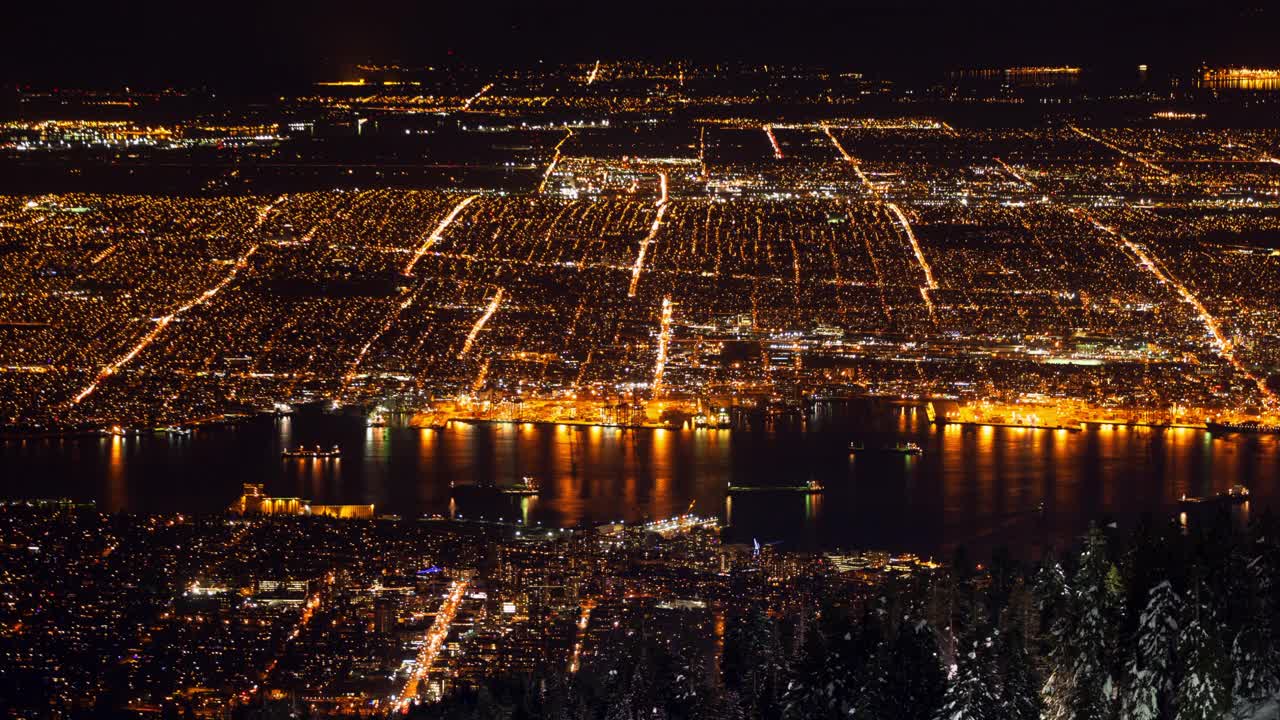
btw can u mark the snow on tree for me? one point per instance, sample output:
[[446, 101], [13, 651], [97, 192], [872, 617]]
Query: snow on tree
[[1081, 686], [914, 674], [1142, 696], [753, 661], [1255, 647], [1050, 589], [1205, 691], [902, 678], [870, 686], [971, 694], [620, 708], [1152, 667], [1019, 699], [810, 687], [1255, 662]]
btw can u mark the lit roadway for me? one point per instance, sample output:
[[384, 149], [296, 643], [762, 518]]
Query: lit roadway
[[475, 329], [435, 236], [308, 612], [386, 325], [165, 321], [1123, 152], [480, 377], [161, 324], [1220, 342], [584, 616], [857, 169], [638, 267], [664, 337], [1014, 173], [866, 182], [594, 71], [313, 603], [915, 246], [839, 148], [102, 255], [432, 642], [467, 105], [702, 152], [777, 149], [555, 159]]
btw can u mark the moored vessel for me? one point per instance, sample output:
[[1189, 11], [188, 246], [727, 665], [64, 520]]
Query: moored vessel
[[1235, 495], [909, 448], [809, 488], [316, 452], [1244, 426], [526, 486]]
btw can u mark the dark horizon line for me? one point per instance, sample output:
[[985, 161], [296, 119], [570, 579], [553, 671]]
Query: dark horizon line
[[230, 83]]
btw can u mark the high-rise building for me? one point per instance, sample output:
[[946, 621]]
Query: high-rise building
[[384, 616]]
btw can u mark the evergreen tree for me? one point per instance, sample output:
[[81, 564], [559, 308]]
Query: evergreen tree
[[1050, 593], [1205, 691], [844, 660], [810, 687], [1142, 694], [1082, 686], [1019, 696], [1151, 676], [1255, 661], [684, 689], [620, 708], [725, 706], [1255, 655], [753, 662], [913, 678], [1004, 577], [640, 691], [1050, 588], [869, 691], [970, 694]]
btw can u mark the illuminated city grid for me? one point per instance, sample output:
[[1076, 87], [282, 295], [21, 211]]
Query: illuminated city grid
[[614, 241]]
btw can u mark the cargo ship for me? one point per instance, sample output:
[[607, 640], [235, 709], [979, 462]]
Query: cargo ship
[[808, 488], [1236, 495], [1246, 426], [526, 486], [910, 448], [316, 452]]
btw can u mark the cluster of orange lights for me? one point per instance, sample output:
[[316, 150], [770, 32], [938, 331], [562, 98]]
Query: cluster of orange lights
[[1242, 74]]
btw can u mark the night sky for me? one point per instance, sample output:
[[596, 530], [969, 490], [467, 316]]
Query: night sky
[[263, 45]]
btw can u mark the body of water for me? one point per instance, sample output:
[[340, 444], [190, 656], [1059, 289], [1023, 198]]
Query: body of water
[[981, 487]]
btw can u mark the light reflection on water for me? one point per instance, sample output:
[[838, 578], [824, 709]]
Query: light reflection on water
[[977, 486], [1243, 83]]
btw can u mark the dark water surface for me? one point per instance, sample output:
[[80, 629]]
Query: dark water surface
[[980, 487]]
